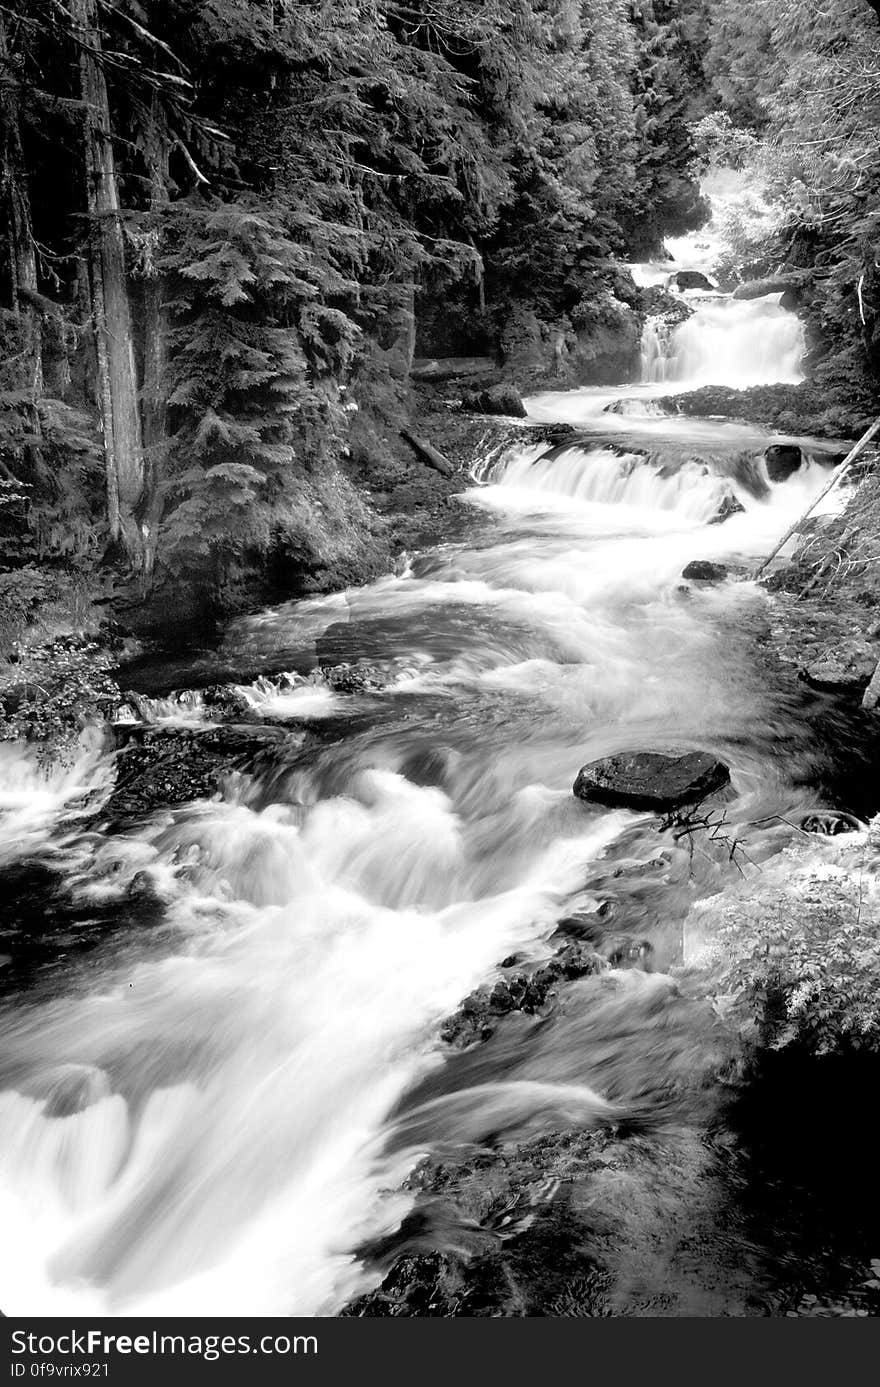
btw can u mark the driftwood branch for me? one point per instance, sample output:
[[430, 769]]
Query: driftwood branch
[[832, 482], [428, 453]]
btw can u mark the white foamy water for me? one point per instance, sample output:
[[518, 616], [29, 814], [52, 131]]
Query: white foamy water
[[728, 342], [201, 1126]]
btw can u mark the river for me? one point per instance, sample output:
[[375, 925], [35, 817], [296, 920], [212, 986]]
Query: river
[[212, 1115]]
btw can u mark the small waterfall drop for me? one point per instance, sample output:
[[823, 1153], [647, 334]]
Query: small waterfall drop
[[727, 342], [601, 476]]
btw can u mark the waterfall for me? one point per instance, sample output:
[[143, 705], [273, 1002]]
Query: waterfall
[[727, 342], [656, 348], [604, 477]]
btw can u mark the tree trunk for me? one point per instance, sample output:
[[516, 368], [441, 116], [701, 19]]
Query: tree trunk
[[22, 260], [114, 347], [155, 345]]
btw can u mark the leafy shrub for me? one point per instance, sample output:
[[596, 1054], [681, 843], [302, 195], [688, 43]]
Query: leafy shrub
[[799, 950], [52, 691], [23, 593], [751, 235], [718, 141]]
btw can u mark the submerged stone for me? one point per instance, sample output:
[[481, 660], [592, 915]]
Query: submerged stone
[[651, 779]]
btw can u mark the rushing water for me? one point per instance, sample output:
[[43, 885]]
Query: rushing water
[[210, 1116]]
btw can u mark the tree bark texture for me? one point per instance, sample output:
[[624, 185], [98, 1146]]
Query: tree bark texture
[[117, 378]]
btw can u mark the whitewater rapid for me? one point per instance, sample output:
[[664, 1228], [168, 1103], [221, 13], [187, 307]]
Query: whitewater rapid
[[203, 1120]]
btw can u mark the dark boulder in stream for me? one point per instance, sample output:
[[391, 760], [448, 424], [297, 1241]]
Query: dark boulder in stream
[[782, 461], [704, 571], [651, 779], [692, 279]]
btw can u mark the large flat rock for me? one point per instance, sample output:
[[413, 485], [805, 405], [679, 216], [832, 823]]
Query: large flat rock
[[846, 668], [651, 779]]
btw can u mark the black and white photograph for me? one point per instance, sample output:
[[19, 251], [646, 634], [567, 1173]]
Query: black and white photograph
[[439, 671]]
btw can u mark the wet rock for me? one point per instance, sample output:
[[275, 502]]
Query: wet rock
[[651, 780], [521, 991], [702, 571], [691, 279], [352, 679], [782, 460], [842, 668], [159, 768], [830, 822], [729, 506], [657, 302], [497, 399], [228, 703], [585, 1224]]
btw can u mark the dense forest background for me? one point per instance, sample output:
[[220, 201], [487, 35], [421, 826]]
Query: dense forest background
[[231, 225]]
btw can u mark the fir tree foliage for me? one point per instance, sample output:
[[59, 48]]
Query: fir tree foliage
[[297, 181]]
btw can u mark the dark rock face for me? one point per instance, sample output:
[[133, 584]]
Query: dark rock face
[[841, 669], [651, 780], [498, 399], [601, 348], [782, 459], [791, 300], [691, 279], [702, 571]]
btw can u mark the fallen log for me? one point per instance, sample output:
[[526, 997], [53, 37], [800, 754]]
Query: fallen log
[[832, 482], [773, 284], [428, 453], [452, 367]]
